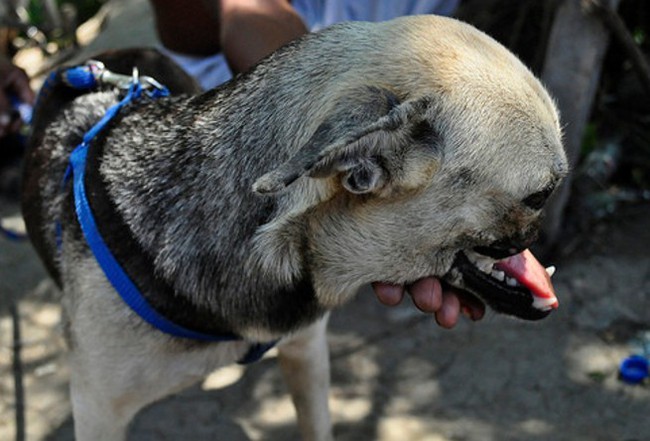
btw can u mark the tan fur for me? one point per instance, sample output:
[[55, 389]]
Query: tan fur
[[479, 89], [470, 135]]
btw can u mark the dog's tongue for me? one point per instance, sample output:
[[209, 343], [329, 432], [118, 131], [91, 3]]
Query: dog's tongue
[[527, 270]]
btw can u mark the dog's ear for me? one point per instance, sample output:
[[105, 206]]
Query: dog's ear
[[371, 140]]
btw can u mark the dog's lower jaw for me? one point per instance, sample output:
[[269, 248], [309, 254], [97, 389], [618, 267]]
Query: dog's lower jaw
[[333, 292], [470, 275]]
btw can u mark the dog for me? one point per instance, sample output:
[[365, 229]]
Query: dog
[[366, 152]]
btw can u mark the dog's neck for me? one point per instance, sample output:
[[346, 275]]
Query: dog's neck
[[180, 172], [181, 182]]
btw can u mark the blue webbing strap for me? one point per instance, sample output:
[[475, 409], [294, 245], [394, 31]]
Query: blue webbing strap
[[257, 351], [111, 268]]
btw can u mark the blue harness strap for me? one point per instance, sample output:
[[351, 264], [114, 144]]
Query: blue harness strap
[[114, 272]]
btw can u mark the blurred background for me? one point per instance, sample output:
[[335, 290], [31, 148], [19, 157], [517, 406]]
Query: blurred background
[[396, 376]]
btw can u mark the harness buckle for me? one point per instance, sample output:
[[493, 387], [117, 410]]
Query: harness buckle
[[103, 76]]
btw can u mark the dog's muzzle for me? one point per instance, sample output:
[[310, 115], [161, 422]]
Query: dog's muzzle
[[515, 284]]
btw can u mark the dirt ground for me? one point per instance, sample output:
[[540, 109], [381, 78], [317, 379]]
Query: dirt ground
[[395, 374]]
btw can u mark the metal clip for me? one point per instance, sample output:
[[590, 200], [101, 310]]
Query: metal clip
[[96, 68], [106, 77], [152, 82], [124, 82], [135, 75]]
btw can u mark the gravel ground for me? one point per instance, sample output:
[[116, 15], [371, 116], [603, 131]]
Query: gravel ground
[[395, 374]]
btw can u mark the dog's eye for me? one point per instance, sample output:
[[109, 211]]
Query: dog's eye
[[537, 200]]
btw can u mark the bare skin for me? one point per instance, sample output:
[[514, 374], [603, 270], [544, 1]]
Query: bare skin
[[247, 31], [428, 296], [252, 29]]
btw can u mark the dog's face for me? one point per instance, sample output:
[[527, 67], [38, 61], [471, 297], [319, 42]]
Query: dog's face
[[443, 174]]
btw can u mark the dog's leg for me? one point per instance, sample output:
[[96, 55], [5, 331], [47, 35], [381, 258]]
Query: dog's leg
[[95, 418], [109, 384], [304, 360]]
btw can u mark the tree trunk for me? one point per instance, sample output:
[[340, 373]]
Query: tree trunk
[[572, 67]]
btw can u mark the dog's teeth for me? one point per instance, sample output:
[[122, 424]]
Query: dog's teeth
[[486, 266], [550, 270], [511, 282], [482, 263], [499, 275], [545, 304]]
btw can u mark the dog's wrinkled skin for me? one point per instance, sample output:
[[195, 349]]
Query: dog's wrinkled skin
[[367, 152]]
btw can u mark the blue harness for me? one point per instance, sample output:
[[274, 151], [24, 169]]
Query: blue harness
[[85, 78]]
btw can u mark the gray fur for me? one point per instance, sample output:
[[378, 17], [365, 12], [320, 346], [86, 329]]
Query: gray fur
[[367, 152]]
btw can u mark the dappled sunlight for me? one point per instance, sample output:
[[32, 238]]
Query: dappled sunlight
[[13, 222], [535, 427], [412, 428], [44, 366], [275, 411], [224, 377], [229, 375], [349, 409], [395, 374], [595, 361]]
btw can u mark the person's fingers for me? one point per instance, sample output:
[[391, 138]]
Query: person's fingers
[[447, 315], [13, 81], [10, 120], [16, 81], [25, 92], [388, 294], [426, 294]]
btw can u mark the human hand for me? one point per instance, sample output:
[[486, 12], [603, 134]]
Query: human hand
[[13, 81], [429, 296]]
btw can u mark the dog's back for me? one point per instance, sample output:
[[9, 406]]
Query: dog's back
[[43, 172]]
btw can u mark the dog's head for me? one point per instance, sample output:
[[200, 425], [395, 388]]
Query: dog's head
[[436, 162]]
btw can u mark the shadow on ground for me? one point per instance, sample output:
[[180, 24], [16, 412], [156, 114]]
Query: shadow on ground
[[397, 376]]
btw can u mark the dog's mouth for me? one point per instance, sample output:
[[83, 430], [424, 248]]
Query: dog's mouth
[[516, 285]]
